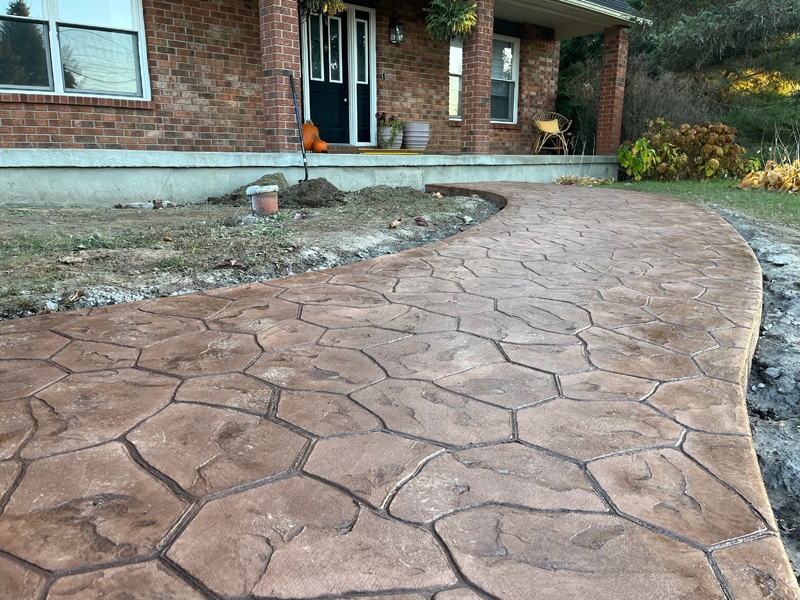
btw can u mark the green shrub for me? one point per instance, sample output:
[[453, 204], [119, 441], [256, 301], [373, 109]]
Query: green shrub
[[323, 7], [700, 152], [450, 19]]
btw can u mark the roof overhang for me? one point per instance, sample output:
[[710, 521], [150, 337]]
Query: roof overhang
[[567, 18]]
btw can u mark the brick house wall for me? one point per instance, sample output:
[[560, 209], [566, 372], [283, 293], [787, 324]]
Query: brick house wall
[[417, 82], [212, 90], [539, 55], [205, 72]]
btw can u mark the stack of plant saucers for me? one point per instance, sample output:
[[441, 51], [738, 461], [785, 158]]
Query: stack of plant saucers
[[416, 135]]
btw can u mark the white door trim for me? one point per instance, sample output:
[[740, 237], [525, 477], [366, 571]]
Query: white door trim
[[352, 73]]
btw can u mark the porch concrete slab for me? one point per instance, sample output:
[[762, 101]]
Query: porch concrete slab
[[548, 406]]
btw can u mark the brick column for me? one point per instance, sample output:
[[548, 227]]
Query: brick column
[[280, 55], [476, 83], [612, 90]]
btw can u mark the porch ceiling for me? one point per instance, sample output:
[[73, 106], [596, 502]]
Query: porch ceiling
[[568, 18]]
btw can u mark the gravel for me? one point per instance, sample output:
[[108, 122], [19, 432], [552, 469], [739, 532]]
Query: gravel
[[773, 399]]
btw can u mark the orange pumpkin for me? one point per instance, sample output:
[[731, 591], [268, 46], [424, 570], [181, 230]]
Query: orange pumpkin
[[319, 146], [310, 133]]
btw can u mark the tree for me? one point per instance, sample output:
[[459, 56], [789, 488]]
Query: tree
[[23, 53], [694, 35]]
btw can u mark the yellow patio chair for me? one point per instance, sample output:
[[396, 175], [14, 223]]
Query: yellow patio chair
[[550, 128]]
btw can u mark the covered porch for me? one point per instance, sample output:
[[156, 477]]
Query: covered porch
[[479, 96]]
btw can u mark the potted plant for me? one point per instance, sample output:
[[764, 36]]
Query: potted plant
[[390, 131], [322, 7], [449, 19]]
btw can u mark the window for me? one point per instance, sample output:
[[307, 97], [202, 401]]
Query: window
[[505, 74], [334, 50], [86, 47], [505, 78], [456, 48], [315, 29], [362, 51]]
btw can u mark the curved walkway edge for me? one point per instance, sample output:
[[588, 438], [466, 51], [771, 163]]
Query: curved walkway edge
[[549, 406]]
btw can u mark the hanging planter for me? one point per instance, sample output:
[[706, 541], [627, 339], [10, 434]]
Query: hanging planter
[[449, 19], [321, 7]]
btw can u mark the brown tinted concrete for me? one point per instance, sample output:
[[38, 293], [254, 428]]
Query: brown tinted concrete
[[548, 406]]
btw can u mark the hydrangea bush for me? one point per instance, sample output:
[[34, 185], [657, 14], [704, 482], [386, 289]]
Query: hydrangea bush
[[699, 152]]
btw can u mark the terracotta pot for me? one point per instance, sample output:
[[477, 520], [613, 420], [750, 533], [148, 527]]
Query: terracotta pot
[[263, 199]]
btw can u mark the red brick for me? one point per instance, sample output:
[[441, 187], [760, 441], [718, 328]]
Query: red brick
[[612, 90]]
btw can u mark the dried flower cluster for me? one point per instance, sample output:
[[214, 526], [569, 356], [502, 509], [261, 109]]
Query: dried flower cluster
[[776, 177]]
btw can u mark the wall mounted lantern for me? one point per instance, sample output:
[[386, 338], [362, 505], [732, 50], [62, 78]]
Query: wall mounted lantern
[[395, 30]]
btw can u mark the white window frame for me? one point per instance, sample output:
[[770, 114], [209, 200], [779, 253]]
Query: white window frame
[[366, 53], [372, 73], [458, 42], [50, 18], [338, 58], [309, 24], [514, 77]]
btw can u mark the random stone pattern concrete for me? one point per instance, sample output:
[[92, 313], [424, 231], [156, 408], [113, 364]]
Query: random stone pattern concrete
[[547, 406]]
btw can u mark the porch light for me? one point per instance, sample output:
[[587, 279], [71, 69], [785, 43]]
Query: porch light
[[395, 30]]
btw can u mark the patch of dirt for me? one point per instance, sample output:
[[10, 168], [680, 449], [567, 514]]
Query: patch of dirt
[[66, 258], [238, 195], [773, 397], [317, 193]]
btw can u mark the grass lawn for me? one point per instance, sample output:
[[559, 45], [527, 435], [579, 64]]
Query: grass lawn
[[775, 207]]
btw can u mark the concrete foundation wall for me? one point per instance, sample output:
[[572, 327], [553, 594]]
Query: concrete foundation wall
[[103, 178]]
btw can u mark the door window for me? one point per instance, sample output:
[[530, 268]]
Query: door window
[[315, 50], [362, 51], [335, 49]]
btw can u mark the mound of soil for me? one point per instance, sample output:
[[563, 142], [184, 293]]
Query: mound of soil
[[238, 196], [314, 193]]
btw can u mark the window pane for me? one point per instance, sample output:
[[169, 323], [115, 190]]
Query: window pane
[[315, 24], [116, 14], [99, 61], [22, 8], [502, 60], [335, 50], [502, 101], [23, 54], [361, 46], [455, 96], [456, 50]]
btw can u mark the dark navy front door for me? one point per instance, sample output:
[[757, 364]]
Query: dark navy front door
[[328, 76]]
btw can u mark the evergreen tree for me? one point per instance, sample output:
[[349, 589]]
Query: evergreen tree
[[23, 53], [691, 35]]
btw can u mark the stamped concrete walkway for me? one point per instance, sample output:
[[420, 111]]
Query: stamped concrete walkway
[[549, 406]]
